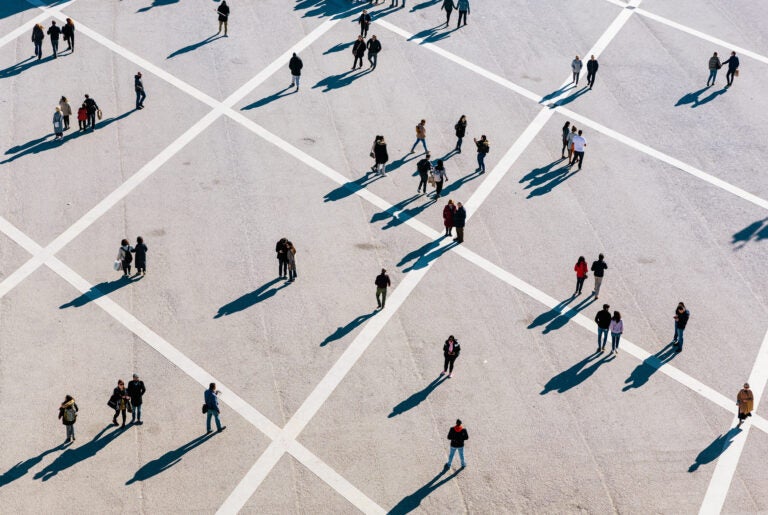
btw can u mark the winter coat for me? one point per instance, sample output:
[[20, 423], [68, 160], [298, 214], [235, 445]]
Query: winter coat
[[120, 397], [599, 267], [682, 319], [580, 269], [64, 407], [223, 11], [374, 46], [295, 65], [58, 122], [37, 34], [456, 349], [380, 153], [66, 109], [447, 5], [714, 63], [576, 65], [483, 146], [136, 390], [463, 5], [358, 49], [281, 249], [423, 167], [82, 114], [68, 30], [459, 217], [592, 65], [745, 400], [732, 62], [461, 129], [457, 435], [448, 212], [364, 20], [141, 255], [603, 319], [421, 131], [91, 105], [54, 31]]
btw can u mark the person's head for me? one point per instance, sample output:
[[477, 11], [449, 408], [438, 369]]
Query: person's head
[[733, 53], [86, 95], [600, 257], [39, 26], [458, 422], [577, 57], [579, 132], [616, 316], [483, 138], [58, 109], [53, 23], [427, 155], [423, 122], [459, 204], [440, 164], [463, 118], [365, 11], [83, 105], [593, 56], [373, 37], [138, 74], [70, 398], [294, 54], [360, 37], [120, 383], [567, 124], [212, 386], [581, 260], [746, 387], [450, 202], [69, 21], [381, 140], [135, 377], [224, 2], [289, 244], [714, 55], [573, 129], [680, 307], [451, 338], [139, 240], [606, 307], [383, 270], [63, 99], [124, 242]]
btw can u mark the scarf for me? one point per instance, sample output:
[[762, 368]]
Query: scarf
[[458, 429], [68, 404]]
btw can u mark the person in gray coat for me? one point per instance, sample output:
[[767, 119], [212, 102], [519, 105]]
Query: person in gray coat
[[58, 123], [576, 69], [714, 65]]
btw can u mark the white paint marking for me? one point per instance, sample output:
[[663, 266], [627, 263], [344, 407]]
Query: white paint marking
[[252, 479]]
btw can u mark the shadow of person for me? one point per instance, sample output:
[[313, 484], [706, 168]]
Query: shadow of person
[[167, 460], [392, 210], [710, 97], [556, 93], [426, 32], [327, 8], [341, 80], [22, 66], [408, 213], [157, 3], [643, 372], [397, 163], [195, 46], [545, 179], [755, 231], [73, 456], [352, 187], [570, 98], [563, 318], [576, 374], [417, 398], [550, 315], [715, 449], [410, 502], [260, 294], [271, 98], [423, 5], [424, 258], [100, 290], [22, 467], [338, 47], [458, 183], [691, 98], [341, 332]]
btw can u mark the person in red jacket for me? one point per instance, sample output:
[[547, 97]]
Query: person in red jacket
[[82, 116], [448, 211], [581, 274]]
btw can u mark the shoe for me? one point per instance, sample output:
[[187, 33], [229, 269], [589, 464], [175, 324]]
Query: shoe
[[450, 375], [601, 350], [443, 373], [222, 429], [208, 432], [463, 465], [73, 438], [123, 425], [411, 152], [114, 423]]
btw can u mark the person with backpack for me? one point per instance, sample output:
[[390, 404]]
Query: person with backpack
[[424, 167], [281, 249], [457, 435], [68, 415], [136, 391], [461, 130], [714, 65], [125, 257], [141, 256], [483, 147], [37, 38]]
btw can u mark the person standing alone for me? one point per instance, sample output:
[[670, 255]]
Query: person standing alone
[[681, 320], [483, 147], [461, 130], [54, 32], [592, 66], [714, 66], [457, 435], [223, 11], [295, 65], [421, 136], [136, 391], [451, 350], [745, 401], [365, 23], [138, 85], [598, 268], [68, 415], [212, 409], [382, 283]]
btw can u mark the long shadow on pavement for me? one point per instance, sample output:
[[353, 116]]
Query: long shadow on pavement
[[576, 374], [22, 467], [545, 179], [352, 187], [563, 318], [458, 183], [195, 46], [570, 98], [550, 315], [693, 97], [341, 80], [99, 291], [425, 254], [271, 98], [715, 449], [413, 501], [341, 332], [260, 294], [72, 457], [22, 66], [643, 372], [339, 47], [167, 460], [755, 231], [333, 9], [157, 3], [417, 398]]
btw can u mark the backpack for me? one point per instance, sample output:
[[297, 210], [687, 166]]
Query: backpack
[[70, 414], [485, 147], [127, 256]]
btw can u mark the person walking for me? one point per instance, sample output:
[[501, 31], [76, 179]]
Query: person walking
[[358, 50], [138, 85], [448, 7], [424, 167], [68, 415], [37, 38], [125, 257], [382, 283], [576, 69], [295, 65], [91, 107], [54, 32], [579, 144], [136, 391], [121, 401], [745, 401], [463, 7], [581, 274], [439, 175], [66, 111], [381, 155], [82, 118], [421, 136], [569, 143], [281, 249], [374, 47], [291, 255], [223, 11], [603, 321], [714, 66], [733, 69], [566, 132], [58, 123], [68, 31], [598, 268], [461, 130], [459, 219], [592, 66], [457, 435], [365, 23], [212, 409], [141, 256], [681, 320], [617, 328], [451, 350], [448, 212], [483, 147]]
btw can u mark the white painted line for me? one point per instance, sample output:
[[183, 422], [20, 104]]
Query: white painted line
[[720, 483], [252, 479]]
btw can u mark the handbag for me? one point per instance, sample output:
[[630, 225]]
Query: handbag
[[129, 406], [205, 409], [112, 403], [373, 156], [98, 113], [117, 265], [431, 179], [736, 72]]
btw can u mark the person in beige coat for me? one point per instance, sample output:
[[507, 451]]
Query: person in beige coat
[[745, 400], [66, 111]]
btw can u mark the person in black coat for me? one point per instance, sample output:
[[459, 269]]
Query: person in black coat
[[358, 50], [136, 391], [603, 321], [68, 31], [424, 166], [459, 218], [295, 65], [223, 11], [37, 38], [733, 67], [461, 130], [141, 256], [68, 415], [91, 107], [374, 47], [451, 351], [592, 65], [457, 435], [281, 248], [365, 23], [54, 31], [381, 155]]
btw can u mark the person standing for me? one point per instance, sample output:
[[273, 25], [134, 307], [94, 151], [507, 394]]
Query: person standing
[[68, 31], [459, 219], [745, 401], [566, 132], [37, 38], [382, 283], [576, 69], [365, 23], [483, 147], [581, 273], [592, 66], [603, 321], [569, 143], [282, 258], [598, 268], [579, 144], [457, 435], [295, 65], [138, 85], [681, 320], [439, 175], [733, 68], [58, 123], [381, 155], [374, 47], [223, 11], [141, 256], [358, 50], [451, 350], [714, 66], [424, 167], [82, 118], [291, 254], [421, 136], [66, 111], [121, 399], [461, 130], [136, 391], [212, 404], [68, 415], [463, 7], [448, 7], [53, 32], [448, 212], [91, 107], [125, 257], [617, 328]]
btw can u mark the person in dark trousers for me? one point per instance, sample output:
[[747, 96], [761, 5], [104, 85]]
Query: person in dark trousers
[[382, 283], [365, 23], [91, 107], [579, 145], [291, 254], [733, 68], [461, 130], [66, 111], [681, 320], [451, 350], [68, 31], [223, 11], [381, 155], [281, 248], [592, 66], [374, 47], [295, 65], [745, 400], [457, 435], [212, 409], [421, 136], [53, 32], [566, 131], [440, 176], [714, 65], [603, 321], [576, 69], [448, 7], [82, 118], [122, 400], [598, 269], [141, 256], [581, 274], [483, 147], [463, 7], [358, 50], [37, 38], [136, 391], [125, 257], [448, 212], [68, 415], [424, 167], [459, 219], [138, 85]]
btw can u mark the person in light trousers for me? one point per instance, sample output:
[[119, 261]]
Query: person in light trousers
[[457, 435]]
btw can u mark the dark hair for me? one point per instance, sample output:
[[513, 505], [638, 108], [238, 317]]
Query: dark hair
[[124, 242], [581, 260], [606, 306], [579, 132], [458, 421], [680, 305], [68, 398], [383, 270], [600, 256], [567, 124], [212, 386], [616, 316], [139, 239], [440, 165]]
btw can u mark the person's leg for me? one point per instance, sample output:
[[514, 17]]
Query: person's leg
[[460, 234], [579, 284], [461, 457], [614, 340], [143, 98], [225, 33], [298, 79], [375, 59], [378, 296], [137, 412], [446, 362], [72, 42], [422, 183], [438, 188], [581, 159], [448, 16], [382, 167], [220, 24], [208, 416], [680, 339], [383, 298], [602, 336], [450, 456], [598, 282], [459, 141], [122, 413], [216, 413], [424, 144]]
